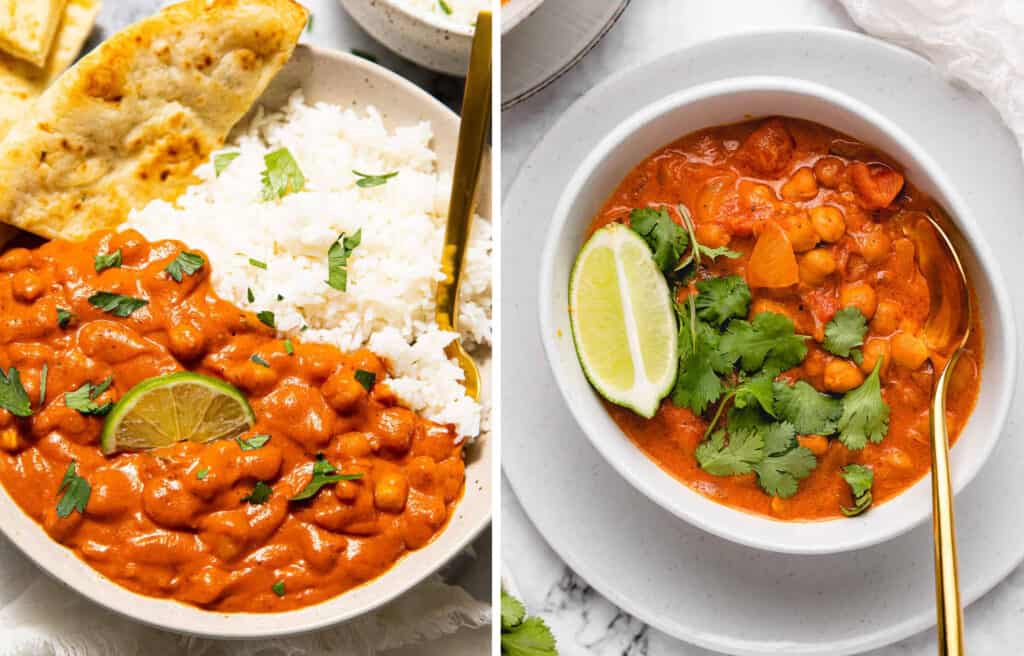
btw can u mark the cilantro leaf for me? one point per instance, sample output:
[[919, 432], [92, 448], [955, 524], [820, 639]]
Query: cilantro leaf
[[278, 586], [722, 299], [865, 415], [778, 437], [222, 160], [76, 492], [255, 357], [259, 264], [249, 294], [780, 474], [444, 7], [116, 304], [512, 611], [367, 180], [860, 479], [281, 176], [666, 238], [767, 342], [749, 418], [266, 317], [756, 390], [337, 259], [260, 493], [845, 332], [184, 264], [64, 317], [697, 386], [324, 473], [13, 397], [43, 375], [743, 450], [531, 637], [83, 399], [201, 474], [252, 443], [366, 378], [718, 251], [289, 348], [810, 411], [108, 261]]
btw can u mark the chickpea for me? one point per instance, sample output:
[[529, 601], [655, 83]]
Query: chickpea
[[390, 492], [354, 445], [872, 351], [185, 342], [897, 458], [816, 265], [15, 259], [778, 505], [842, 376], [861, 296], [908, 351], [10, 440], [816, 444], [342, 391], [814, 363], [800, 231], [829, 171], [802, 186], [762, 305], [347, 491], [875, 246], [27, 286], [394, 428], [887, 318], [759, 198], [712, 235], [829, 223]]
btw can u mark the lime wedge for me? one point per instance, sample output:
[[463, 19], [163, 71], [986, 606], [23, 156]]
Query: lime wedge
[[176, 407], [623, 322]]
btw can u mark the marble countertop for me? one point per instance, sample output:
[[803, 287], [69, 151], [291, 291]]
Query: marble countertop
[[583, 621]]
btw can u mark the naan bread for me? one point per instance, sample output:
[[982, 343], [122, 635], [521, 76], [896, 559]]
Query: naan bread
[[21, 82], [27, 27], [131, 120]]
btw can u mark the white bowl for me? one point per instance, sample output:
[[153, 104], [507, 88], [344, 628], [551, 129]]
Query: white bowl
[[730, 101], [429, 40], [348, 81], [516, 11]]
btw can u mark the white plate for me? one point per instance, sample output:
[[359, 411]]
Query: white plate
[[348, 81], [549, 42], [665, 572]]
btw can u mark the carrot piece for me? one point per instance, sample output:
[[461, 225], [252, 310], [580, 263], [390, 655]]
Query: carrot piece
[[772, 263]]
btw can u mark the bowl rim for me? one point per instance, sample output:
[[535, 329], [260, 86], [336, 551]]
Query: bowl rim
[[114, 597], [519, 11], [435, 22], [688, 506]]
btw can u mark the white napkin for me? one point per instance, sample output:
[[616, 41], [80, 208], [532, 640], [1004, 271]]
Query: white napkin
[[40, 615], [979, 42]]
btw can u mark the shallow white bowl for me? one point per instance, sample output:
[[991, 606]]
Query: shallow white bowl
[[348, 81], [730, 101], [429, 40], [516, 11]]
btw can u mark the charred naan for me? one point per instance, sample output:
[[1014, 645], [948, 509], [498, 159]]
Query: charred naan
[[27, 28], [131, 121]]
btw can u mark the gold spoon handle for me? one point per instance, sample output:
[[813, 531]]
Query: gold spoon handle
[[476, 111], [947, 587]]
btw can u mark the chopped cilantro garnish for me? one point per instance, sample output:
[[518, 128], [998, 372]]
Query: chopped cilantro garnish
[[116, 304], [768, 342], [64, 317], [289, 348], [13, 397], [282, 175], [367, 180], [521, 635], [324, 473], [845, 332], [83, 399], [260, 361], [337, 259], [259, 495], [865, 415], [309, 23], [810, 411], [259, 264], [43, 375], [249, 294], [201, 474], [107, 261], [444, 7], [278, 587], [722, 299], [738, 455], [666, 238], [266, 317], [860, 479], [779, 474], [756, 392], [222, 160], [76, 492], [366, 379], [184, 264], [252, 443]]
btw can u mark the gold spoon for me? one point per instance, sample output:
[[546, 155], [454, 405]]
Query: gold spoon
[[945, 333], [476, 116]]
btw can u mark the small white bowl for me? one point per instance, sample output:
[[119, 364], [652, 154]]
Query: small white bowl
[[351, 82], [731, 101], [430, 40]]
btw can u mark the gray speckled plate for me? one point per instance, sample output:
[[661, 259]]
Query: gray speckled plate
[[660, 569]]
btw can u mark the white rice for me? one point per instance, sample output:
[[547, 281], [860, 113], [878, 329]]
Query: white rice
[[463, 12], [392, 275]]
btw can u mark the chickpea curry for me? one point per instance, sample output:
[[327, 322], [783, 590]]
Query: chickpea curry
[[328, 487], [804, 382]]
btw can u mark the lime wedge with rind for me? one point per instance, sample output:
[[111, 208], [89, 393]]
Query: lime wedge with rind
[[623, 323], [176, 407]]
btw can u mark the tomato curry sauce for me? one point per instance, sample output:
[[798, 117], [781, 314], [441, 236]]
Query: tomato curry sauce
[[843, 208], [174, 522]]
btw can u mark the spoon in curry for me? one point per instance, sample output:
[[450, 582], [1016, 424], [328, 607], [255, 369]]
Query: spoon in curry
[[476, 114], [946, 332]]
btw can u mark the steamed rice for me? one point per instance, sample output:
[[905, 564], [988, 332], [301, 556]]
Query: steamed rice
[[392, 275], [463, 12]]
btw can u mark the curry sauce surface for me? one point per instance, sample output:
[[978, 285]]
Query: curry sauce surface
[[150, 523], [734, 179]]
